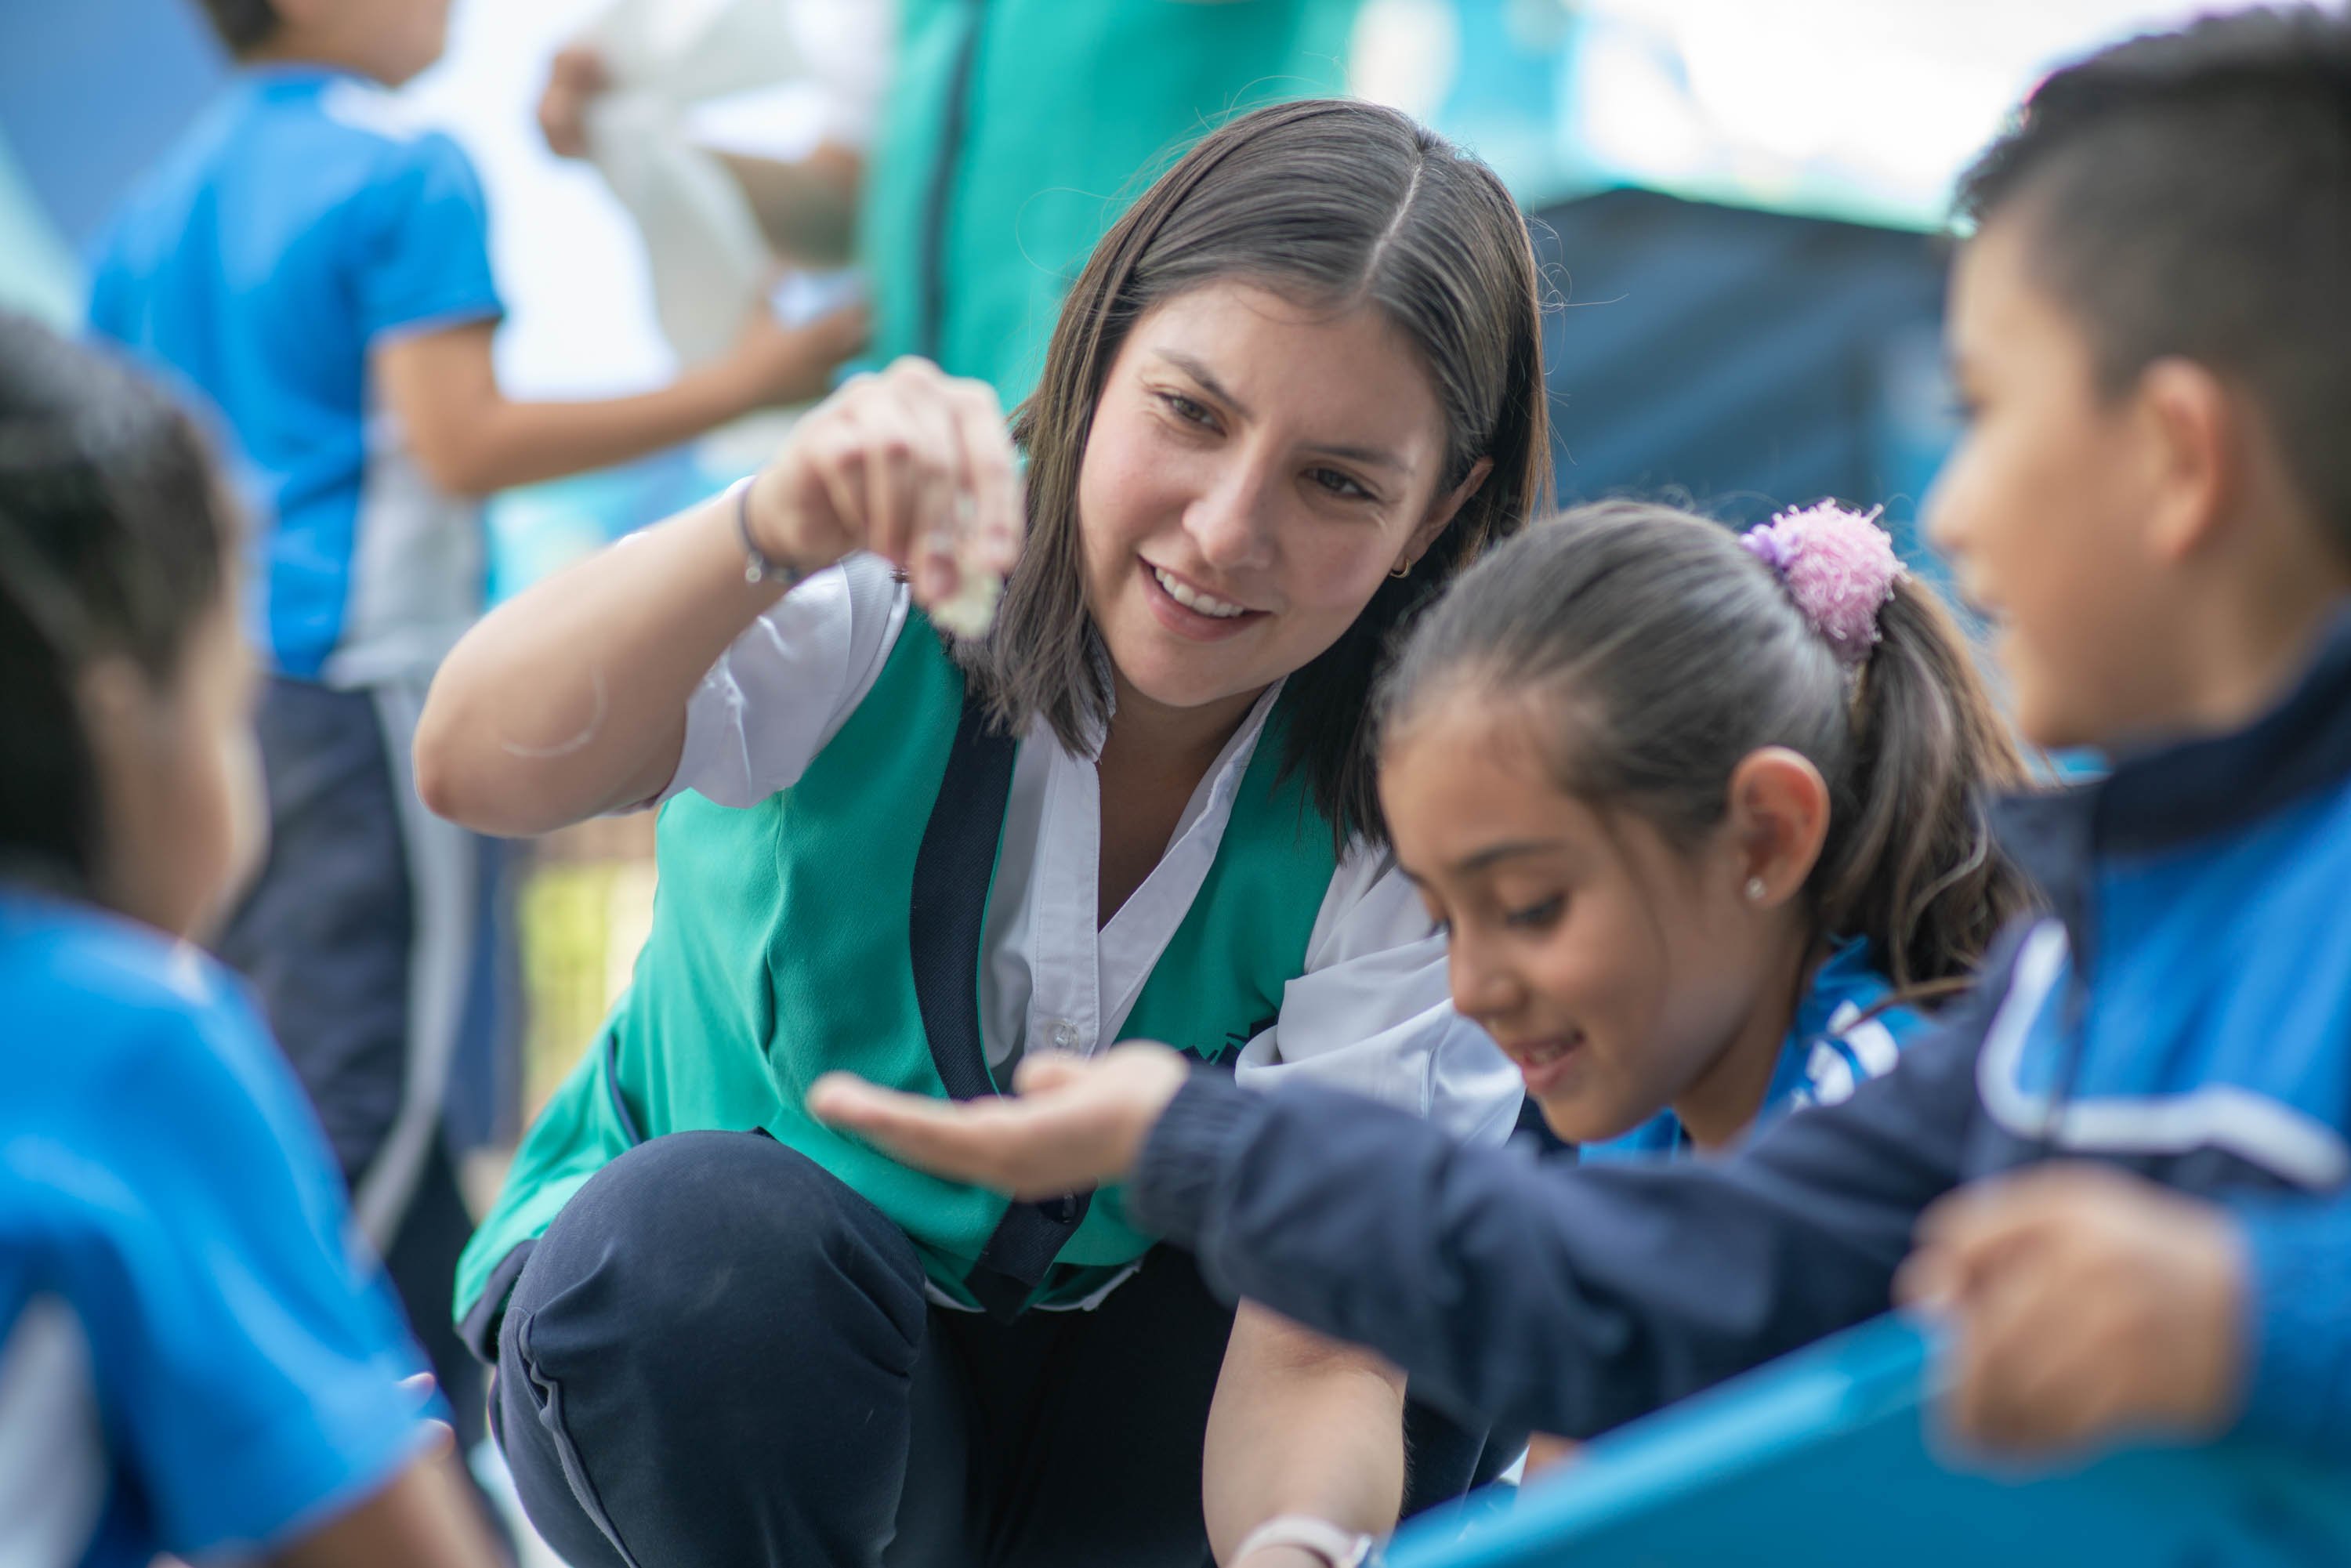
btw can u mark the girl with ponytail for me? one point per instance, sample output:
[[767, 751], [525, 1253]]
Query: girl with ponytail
[[1703, 813]]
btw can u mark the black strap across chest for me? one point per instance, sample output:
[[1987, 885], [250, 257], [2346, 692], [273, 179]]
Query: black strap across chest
[[953, 869]]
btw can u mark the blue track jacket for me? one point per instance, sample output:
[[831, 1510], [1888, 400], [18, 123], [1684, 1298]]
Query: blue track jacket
[[2185, 1012]]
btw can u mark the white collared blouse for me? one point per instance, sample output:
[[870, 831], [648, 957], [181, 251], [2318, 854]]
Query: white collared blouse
[[1370, 1012]]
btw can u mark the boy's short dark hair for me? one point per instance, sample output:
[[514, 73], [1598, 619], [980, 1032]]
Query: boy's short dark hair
[[2189, 194], [243, 24]]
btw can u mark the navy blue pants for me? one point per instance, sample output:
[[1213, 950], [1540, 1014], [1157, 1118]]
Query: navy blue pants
[[360, 938], [719, 1353]]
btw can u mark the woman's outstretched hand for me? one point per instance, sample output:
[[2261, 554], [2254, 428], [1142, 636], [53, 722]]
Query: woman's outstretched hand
[[1075, 1123]]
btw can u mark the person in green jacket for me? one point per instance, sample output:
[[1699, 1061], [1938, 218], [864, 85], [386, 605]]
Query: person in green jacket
[[1294, 390], [1013, 133]]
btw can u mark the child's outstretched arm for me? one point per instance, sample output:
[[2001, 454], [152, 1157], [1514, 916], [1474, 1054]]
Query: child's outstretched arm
[[572, 698], [470, 439], [1557, 1301]]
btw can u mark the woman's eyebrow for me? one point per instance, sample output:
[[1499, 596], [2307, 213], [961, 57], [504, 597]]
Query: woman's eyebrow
[[1207, 380], [1369, 457]]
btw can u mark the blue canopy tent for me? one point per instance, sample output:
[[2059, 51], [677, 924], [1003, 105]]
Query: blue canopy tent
[[1742, 360]]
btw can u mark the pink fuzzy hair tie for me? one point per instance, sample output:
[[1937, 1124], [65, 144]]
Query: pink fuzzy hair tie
[[1838, 566]]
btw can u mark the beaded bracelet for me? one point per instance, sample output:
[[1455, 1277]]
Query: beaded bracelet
[[758, 566]]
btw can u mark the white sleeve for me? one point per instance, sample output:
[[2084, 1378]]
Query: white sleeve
[[1372, 1013], [789, 683]]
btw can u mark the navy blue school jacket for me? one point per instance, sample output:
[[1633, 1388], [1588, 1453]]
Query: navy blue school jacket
[[2184, 1012]]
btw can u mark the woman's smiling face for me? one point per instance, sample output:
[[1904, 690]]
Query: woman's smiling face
[[1255, 467]]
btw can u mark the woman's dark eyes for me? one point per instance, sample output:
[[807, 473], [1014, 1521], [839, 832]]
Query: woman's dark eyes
[[1536, 916], [1185, 409], [1330, 480], [1338, 485]]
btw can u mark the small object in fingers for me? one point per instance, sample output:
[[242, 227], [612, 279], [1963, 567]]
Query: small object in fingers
[[970, 609]]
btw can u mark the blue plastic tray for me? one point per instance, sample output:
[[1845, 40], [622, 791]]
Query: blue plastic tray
[[1823, 1458]]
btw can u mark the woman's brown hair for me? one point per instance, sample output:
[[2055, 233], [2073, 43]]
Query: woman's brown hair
[[1328, 202], [1662, 653]]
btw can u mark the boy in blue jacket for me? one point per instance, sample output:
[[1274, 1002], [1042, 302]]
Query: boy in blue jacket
[[2120, 1164]]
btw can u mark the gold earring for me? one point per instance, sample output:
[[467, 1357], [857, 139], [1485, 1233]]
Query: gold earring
[[1403, 567]]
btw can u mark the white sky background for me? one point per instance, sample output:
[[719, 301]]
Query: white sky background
[[1881, 103], [1866, 105]]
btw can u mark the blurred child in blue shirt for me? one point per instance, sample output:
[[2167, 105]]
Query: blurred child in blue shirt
[[194, 1356], [315, 266]]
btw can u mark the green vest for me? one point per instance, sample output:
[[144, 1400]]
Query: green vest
[[788, 939], [1018, 130]]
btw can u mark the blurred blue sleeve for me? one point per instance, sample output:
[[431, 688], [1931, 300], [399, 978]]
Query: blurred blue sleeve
[[248, 1353], [2298, 1321], [421, 239]]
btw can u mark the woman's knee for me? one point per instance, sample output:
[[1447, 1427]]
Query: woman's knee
[[690, 1330], [703, 1247]]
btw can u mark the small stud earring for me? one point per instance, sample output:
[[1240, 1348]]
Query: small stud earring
[[1756, 890]]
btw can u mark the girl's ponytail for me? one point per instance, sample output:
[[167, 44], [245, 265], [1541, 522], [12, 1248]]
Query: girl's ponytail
[[1910, 861]]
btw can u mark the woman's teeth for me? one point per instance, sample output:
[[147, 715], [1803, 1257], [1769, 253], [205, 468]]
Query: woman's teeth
[[1192, 598]]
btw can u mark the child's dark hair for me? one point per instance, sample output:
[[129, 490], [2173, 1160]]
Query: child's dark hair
[[111, 528], [1328, 202], [243, 25], [1660, 653], [2189, 194]]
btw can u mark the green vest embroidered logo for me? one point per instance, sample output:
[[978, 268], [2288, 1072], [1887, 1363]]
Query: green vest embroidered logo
[[779, 951]]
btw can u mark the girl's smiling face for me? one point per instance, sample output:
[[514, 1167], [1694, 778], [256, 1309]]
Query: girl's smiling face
[[1619, 971], [1255, 467]]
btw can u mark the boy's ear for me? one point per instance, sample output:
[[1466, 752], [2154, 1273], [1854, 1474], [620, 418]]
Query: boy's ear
[[2197, 435], [1778, 822]]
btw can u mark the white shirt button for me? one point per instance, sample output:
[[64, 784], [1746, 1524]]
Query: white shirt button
[[1064, 1035]]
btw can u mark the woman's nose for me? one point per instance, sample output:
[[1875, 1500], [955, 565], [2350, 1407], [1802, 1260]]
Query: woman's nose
[[1231, 524]]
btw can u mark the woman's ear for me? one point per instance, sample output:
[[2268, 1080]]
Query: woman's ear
[[1441, 510], [1777, 823]]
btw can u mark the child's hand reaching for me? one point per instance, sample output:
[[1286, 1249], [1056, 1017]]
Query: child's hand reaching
[[574, 79], [2084, 1304], [1076, 1124]]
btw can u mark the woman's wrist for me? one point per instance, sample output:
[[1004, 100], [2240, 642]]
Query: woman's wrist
[[764, 529], [759, 565]]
